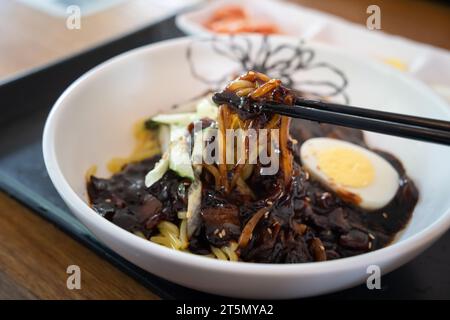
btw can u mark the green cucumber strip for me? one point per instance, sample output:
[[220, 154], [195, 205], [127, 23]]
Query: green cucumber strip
[[158, 171]]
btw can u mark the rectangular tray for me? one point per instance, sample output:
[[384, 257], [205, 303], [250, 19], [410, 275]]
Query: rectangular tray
[[25, 103]]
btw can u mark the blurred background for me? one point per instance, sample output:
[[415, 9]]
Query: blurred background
[[412, 36], [34, 32]]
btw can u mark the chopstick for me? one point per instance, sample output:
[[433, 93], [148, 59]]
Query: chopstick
[[412, 127], [360, 122], [375, 114]]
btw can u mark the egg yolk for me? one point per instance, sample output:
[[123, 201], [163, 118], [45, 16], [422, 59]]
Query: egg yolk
[[346, 167]]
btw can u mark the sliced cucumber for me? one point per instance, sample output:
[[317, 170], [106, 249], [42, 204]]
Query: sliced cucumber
[[174, 144], [177, 132], [207, 109], [193, 210], [173, 138], [189, 106], [176, 118], [179, 153], [164, 137], [197, 152], [179, 160], [158, 171]]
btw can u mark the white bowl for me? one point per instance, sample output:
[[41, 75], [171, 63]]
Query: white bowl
[[91, 123]]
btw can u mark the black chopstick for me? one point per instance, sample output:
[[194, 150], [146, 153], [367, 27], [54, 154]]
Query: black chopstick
[[401, 129], [412, 127]]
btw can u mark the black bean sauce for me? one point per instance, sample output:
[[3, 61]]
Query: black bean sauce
[[309, 224], [124, 200]]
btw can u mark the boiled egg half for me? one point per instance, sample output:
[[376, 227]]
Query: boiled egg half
[[356, 174]]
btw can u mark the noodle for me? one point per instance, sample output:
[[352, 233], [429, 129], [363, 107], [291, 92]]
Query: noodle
[[219, 253], [223, 117], [286, 155], [226, 252], [252, 87], [164, 241], [216, 174], [247, 232], [140, 234], [183, 234], [230, 251], [171, 236]]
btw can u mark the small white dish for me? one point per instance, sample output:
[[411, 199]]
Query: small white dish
[[418, 59], [91, 122], [291, 19]]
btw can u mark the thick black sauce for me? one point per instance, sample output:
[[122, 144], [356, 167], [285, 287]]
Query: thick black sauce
[[309, 224], [248, 108], [124, 200]]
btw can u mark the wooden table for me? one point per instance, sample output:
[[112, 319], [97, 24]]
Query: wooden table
[[34, 254]]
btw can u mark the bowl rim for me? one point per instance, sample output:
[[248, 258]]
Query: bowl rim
[[84, 212]]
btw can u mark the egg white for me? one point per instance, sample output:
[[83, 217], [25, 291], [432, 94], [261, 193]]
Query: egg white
[[374, 196]]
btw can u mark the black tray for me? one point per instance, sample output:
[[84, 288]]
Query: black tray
[[25, 103]]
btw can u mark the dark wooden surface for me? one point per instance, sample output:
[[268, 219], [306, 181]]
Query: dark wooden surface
[[34, 254]]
